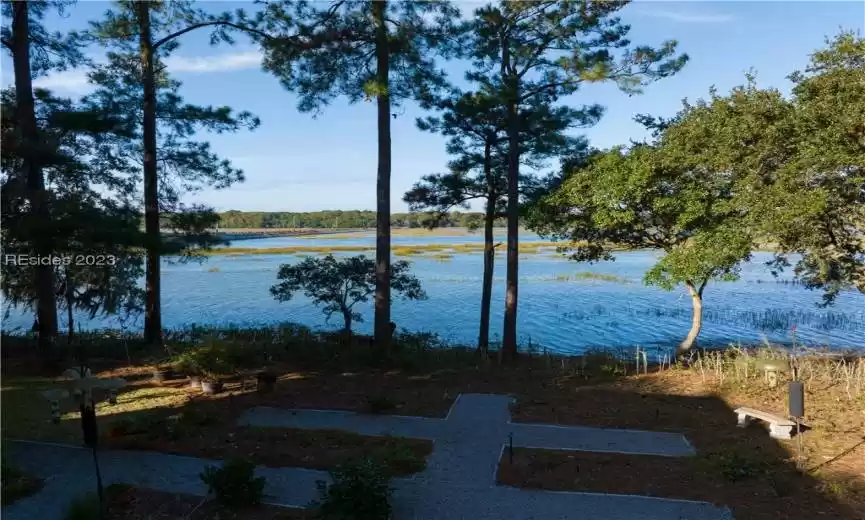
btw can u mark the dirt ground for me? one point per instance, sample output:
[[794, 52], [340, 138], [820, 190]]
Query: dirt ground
[[133, 503], [758, 477]]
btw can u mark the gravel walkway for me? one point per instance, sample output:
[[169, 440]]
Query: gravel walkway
[[459, 482]]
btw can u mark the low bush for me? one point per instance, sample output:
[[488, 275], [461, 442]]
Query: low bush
[[400, 458], [736, 468], [17, 484], [234, 485], [88, 507], [360, 491]]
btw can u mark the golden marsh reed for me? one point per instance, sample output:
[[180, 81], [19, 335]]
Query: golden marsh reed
[[412, 250]]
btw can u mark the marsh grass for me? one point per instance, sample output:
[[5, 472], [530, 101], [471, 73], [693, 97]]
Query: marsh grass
[[814, 367], [770, 320], [588, 275], [407, 250]]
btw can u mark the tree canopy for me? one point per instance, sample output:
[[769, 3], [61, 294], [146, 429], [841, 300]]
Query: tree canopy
[[337, 285], [797, 163]]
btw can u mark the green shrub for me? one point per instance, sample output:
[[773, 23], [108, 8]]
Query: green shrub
[[234, 485], [215, 357], [84, 508], [87, 507], [360, 491], [148, 423], [736, 468], [17, 484], [399, 457]]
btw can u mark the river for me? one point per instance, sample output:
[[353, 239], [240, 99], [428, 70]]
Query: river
[[558, 308]]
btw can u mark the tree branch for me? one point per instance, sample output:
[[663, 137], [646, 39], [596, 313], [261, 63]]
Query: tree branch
[[207, 24]]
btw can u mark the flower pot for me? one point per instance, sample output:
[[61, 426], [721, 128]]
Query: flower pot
[[211, 387], [266, 381], [194, 383]]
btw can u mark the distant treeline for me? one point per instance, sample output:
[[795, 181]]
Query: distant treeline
[[342, 219]]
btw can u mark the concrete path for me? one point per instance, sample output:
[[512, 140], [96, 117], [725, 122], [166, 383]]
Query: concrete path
[[69, 474], [459, 482]]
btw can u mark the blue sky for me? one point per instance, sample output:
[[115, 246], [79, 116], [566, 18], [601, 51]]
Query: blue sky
[[295, 162]]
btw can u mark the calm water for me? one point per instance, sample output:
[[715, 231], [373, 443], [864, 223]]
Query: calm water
[[565, 315]]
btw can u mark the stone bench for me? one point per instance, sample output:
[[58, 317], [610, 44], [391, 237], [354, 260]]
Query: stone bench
[[779, 427]]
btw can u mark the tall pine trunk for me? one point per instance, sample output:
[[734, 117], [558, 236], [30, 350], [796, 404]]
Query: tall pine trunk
[[70, 302], [489, 254], [153, 305], [696, 319], [382, 234], [31, 170], [509, 337]]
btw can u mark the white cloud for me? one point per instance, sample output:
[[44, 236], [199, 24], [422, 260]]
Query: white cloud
[[75, 81], [69, 81], [688, 17], [218, 63]]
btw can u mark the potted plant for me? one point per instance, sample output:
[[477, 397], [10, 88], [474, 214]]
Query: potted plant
[[161, 370], [211, 383], [190, 364], [266, 379], [194, 381]]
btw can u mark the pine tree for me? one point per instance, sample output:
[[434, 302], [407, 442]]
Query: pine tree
[[35, 52], [363, 50], [549, 49], [145, 33], [476, 125]]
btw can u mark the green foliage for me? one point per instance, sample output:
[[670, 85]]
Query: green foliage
[[184, 165], [322, 52], [339, 284], [360, 490], [84, 508], [216, 357], [93, 224], [475, 124], [736, 468], [234, 484], [398, 456], [49, 51], [797, 165], [638, 199], [339, 219], [533, 53], [598, 49], [87, 506]]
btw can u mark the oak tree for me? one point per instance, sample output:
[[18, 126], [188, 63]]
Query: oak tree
[[337, 285], [639, 199]]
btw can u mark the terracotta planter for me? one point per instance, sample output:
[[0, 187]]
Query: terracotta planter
[[194, 383], [211, 387]]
